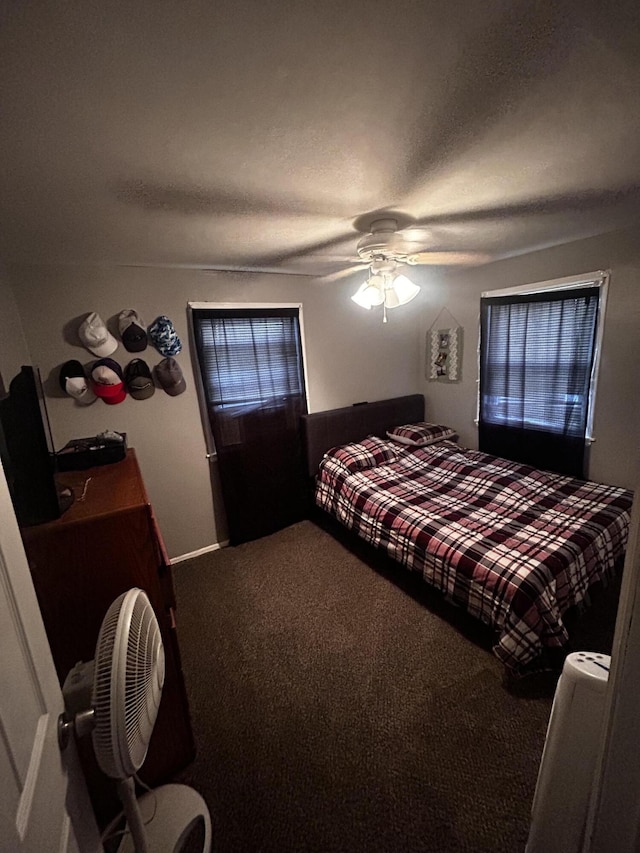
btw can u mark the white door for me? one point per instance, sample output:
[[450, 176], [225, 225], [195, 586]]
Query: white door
[[44, 805]]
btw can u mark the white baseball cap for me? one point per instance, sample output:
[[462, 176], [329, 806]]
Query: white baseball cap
[[95, 336], [74, 383]]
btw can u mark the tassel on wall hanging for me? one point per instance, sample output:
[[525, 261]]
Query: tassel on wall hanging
[[444, 350]]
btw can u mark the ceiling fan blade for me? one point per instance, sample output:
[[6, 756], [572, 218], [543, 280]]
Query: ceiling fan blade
[[321, 250], [238, 268], [448, 258], [347, 271]]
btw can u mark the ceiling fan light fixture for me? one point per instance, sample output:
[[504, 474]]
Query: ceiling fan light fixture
[[368, 295], [404, 289], [359, 296], [391, 298], [374, 293], [387, 290]]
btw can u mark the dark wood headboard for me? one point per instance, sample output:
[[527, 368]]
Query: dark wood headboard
[[322, 430]]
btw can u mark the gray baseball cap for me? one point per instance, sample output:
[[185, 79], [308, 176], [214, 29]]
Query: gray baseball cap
[[170, 377]]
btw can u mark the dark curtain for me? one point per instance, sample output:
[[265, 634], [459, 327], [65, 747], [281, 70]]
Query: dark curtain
[[253, 377], [536, 359]]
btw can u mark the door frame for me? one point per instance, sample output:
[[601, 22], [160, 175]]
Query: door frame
[[211, 454], [38, 820], [613, 822]]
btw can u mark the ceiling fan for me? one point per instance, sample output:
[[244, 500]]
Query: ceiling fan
[[386, 248], [384, 251]]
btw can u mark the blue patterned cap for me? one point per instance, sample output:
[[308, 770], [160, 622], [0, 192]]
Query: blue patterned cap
[[164, 336]]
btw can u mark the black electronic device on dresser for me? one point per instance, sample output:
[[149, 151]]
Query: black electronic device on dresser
[[81, 453], [26, 448]]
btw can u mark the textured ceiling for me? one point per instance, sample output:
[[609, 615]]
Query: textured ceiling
[[263, 134]]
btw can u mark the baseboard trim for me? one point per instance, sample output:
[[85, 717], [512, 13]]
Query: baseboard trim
[[206, 550]]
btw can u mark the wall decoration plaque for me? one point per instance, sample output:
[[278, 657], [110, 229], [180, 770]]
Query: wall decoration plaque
[[444, 354]]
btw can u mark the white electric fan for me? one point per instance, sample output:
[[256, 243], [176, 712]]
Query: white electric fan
[[128, 675]]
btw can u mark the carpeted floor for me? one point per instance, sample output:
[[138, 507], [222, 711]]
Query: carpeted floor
[[335, 711]]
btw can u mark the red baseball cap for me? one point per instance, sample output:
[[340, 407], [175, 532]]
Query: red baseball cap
[[108, 381]]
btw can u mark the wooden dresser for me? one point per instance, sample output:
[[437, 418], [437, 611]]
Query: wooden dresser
[[104, 544]]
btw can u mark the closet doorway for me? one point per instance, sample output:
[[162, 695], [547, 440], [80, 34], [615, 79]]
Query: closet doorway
[[251, 363]]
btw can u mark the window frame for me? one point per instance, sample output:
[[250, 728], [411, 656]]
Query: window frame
[[211, 452], [600, 279]]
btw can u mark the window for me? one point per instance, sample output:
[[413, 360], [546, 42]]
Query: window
[[538, 365], [249, 357]]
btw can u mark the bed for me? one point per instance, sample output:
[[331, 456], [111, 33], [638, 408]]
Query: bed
[[515, 546]]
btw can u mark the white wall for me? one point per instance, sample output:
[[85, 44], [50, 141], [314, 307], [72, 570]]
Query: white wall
[[350, 356], [13, 346], [617, 411]]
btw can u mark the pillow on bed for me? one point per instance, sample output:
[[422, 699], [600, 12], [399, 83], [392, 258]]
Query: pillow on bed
[[421, 434], [365, 454]]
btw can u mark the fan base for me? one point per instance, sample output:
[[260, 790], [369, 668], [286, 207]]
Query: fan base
[[170, 813]]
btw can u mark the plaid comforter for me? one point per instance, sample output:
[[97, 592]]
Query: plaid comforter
[[515, 546]]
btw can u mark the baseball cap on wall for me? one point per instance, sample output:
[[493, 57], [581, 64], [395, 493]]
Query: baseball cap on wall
[[95, 336], [138, 380], [108, 381], [170, 377], [74, 383], [132, 331], [164, 336]]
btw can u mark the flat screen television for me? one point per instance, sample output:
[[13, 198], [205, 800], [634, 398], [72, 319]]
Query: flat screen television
[[27, 452]]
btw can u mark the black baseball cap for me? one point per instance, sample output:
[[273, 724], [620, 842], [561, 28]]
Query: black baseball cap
[[132, 331], [138, 379]]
